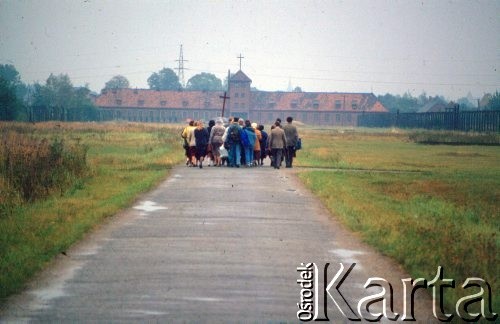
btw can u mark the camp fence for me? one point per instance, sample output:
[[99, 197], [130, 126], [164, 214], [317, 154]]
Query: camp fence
[[467, 121]]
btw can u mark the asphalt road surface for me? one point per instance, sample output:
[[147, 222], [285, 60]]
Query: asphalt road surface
[[215, 245]]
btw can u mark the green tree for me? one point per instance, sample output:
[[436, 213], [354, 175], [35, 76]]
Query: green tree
[[405, 103], [59, 100], [494, 103], [165, 79], [465, 104], [9, 73], [9, 104], [12, 83], [204, 82], [117, 82]]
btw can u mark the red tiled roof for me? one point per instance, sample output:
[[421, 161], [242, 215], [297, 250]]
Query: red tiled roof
[[316, 101], [259, 100], [144, 98]]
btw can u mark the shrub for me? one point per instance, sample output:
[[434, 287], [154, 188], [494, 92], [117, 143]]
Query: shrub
[[35, 168], [454, 138]]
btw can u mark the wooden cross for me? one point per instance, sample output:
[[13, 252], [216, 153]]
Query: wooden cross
[[240, 57], [224, 102]]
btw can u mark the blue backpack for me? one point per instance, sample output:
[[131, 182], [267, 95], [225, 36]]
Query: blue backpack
[[244, 138]]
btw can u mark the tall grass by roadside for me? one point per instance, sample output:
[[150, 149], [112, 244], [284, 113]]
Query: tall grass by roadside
[[443, 212], [33, 168], [122, 160]]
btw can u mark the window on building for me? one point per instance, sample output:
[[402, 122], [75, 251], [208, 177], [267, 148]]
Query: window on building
[[163, 103], [185, 103], [140, 103], [354, 104], [236, 105], [207, 103], [337, 118], [236, 95], [294, 104], [338, 104], [118, 102], [242, 95], [315, 104], [242, 105], [271, 104]]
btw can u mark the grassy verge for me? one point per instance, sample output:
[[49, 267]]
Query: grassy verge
[[123, 159], [443, 211]]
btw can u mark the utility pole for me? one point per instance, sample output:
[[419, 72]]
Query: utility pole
[[180, 68]]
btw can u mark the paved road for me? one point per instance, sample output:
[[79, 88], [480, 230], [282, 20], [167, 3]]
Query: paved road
[[211, 245]]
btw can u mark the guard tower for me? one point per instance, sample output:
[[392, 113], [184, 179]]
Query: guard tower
[[239, 91]]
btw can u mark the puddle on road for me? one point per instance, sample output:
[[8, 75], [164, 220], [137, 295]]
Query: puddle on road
[[146, 312], [149, 206], [348, 255], [202, 299], [55, 289]]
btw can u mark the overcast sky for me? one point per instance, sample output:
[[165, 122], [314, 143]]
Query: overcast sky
[[441, 47]]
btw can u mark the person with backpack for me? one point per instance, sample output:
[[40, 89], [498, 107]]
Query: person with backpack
[[248, 139], [233, 143]]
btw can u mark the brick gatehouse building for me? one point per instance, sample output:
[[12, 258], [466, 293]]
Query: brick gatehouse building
[[313, 108]]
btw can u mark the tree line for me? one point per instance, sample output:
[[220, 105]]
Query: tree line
[[166, 79], [58, 99]]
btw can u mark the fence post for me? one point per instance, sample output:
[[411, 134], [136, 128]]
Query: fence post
[[455, 116]]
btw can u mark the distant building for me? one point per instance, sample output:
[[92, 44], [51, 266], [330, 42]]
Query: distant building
[[485, 101], [315, 108], [434, 106]]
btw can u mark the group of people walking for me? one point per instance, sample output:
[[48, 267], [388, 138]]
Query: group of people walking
[[241, 143]]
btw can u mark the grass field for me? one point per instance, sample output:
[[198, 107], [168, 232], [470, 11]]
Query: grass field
[[424, 205], [123, 160]]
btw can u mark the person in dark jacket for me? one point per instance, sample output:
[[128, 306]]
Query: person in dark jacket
[[201, 137], [263, 144], [292, 136]]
